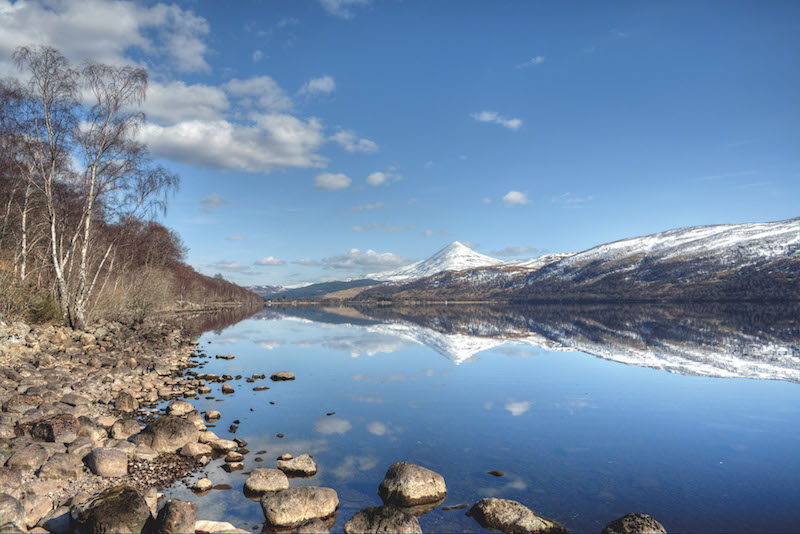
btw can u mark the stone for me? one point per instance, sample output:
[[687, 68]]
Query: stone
[[36, 507], [11, 512], [302, 466], [407, 484], [233, 466], [512, 517], [11, 480], [176, 517], [169, 433], [62, 466], [217, 527], [226, 389], [125, 402], [234, 456], [106, 462], [213, 415], [150, 495], [281, 376], [377, 519], [144, 452], [263, 480], [225, 356], [179, 407], [289, 508], [315, 526], [57, 521], [55, 429], [124, 428], [203, 484], [88, 339], [224, 445], [29, 458], [192, 450], [634, 524], [260, 388], [90, 430], [81, 447], [73, 399], [119, 509], [284, 456]]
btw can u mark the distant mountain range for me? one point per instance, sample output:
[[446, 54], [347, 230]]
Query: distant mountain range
[[752, 261]]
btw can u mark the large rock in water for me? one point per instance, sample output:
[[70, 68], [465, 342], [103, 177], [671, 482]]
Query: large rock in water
[[302, 466], [377, 519], [290, 508], [407, 484], [119, 509], [176, 517], [169, 433], [512, 517], [634, 524], [263, 480]]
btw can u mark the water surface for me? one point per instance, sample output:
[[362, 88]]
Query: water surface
[[690, 414]]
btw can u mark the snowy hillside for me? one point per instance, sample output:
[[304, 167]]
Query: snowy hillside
[[453, 257], [541, 261]]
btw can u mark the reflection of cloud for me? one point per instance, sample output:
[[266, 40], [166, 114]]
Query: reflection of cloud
[[270, 344], [430, 372], [572, 404], [332, 425], [229, 340], [518, 352], [516, 483], [488, 405], [382, 379], [351, 464], [362, 398], [377, 428], [369, 344], [518, 407]]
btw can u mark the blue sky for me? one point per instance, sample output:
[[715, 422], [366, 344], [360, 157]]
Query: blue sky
[[326, 139]]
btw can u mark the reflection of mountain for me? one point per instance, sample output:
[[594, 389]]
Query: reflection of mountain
[[750, 341]]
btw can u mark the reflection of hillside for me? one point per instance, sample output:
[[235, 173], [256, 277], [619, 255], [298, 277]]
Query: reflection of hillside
[[719, 340], [195, 323]]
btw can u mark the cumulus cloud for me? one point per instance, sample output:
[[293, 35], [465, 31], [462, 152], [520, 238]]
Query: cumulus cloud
[[105, 31], [262, 90], [271, 141], [212, 202], [352, 143], [515, 198], [342, 8], [315, 86], [513, 252], [495, 118], [532, 62], [307, 262], [518, 407], [176, 101], [383, 178], [355, 259], [329, 181], [374, 206], [270, 261]]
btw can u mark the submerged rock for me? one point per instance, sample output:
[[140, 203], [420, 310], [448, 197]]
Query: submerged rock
[[290, 508], [634, 524], [379, 519], [302, 466], [117, 509], [282, 376], [407, 484], [512, 517]]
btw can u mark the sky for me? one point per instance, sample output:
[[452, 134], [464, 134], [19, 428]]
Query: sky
[[327, 139]]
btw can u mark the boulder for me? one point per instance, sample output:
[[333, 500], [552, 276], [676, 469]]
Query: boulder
[[282, 376], [634, 524], [73, 399], [125, 428], [226, 389], [144, 452], [125, 402], [377, 519], [192, 450], [217, 527], [315, 526], [407, 484], [57, 521], [179, 407], [302, 466], [263, 480], [176, 517], [213, 415], [36, 507], [203, 484], [117, 509], [55, 429], [62, 466], [512, 517], [290, 508], [224, 445], [11, 512], [169, 433], [107, 462], [11, 480], [28, 458]]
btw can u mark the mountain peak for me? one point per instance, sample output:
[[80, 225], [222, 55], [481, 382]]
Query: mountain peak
[[454, 257]]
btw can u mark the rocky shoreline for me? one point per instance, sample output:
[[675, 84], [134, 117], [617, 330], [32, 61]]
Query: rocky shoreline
[[84, 446]]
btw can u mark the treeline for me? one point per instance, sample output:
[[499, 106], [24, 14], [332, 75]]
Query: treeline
[[78, 195]]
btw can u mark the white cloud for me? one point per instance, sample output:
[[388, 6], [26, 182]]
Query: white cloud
[[235, 238], [494, 117], [571, 199], [532, 62], [322, 85], [330, 181], [351, 142], [332, 425], [257, 56], [260, 89], [176, 101], [270, 261], [374, 206], [512, 252], [518, 407], [377, 178], [517, 198], [342, 8], [355, 259], [271, 141], [307, 262], [212, 202]]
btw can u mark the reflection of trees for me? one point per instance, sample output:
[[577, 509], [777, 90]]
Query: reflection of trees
[[196, 323]]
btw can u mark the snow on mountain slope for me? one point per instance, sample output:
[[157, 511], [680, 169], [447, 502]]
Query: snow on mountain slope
[[453, 257], [541, 261]]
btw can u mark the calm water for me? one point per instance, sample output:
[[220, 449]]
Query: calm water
[[691, 415]]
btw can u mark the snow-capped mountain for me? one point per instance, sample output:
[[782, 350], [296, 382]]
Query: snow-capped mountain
[[453, 257], [753, 261], [539, 262]]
